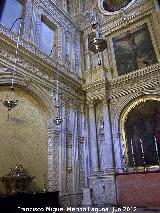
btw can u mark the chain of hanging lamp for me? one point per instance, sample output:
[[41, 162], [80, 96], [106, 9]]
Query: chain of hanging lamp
[[97, 44], [57, 120], [9, 101]]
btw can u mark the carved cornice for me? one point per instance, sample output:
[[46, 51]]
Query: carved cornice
[[140, 82], [41, 71], [93, 85], [135, 82], [33, 53]]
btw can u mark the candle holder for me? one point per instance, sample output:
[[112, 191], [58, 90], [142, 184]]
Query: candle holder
[[143, 155], [157, 152], [133, 157]]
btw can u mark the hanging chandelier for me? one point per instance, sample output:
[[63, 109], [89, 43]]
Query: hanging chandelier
[[97, 43], [9, 101]]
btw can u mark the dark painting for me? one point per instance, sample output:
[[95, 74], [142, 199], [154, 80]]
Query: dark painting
[[142, 127], [134, 50], [112, 6]]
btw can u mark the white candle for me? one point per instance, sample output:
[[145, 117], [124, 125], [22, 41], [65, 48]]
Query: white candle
[[156, 143], [141, 146], [132, 147]]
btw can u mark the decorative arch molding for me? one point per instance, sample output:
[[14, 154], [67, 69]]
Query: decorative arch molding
[[122, 104], [37, 91], [118, 115], [135, 103], [123, 118]]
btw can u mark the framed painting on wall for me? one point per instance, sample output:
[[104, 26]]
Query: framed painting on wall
[[134, 50]]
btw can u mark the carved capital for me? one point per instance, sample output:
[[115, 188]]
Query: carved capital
[[91, 103]]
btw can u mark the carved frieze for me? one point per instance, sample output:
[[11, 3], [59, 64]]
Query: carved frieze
[[36, 73]]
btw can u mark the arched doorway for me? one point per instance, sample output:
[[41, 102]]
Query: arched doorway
[[141, 132]]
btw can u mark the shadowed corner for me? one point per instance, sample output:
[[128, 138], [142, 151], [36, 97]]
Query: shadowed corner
[[2, 2]]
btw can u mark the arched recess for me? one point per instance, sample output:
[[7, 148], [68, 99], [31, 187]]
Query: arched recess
[[117, 133], [33, 137], [140, 132], [117, 116]]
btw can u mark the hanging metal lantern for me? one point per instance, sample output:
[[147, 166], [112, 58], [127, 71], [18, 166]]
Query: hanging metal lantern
[[10, 104], [57, 120], [9, 101], [97, 44]]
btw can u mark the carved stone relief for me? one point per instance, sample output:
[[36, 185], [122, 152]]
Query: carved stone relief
[[68, 146], [103, 190]]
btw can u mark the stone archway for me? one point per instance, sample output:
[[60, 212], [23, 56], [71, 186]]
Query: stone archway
[[140, 132], [41, 99], [117, 117]]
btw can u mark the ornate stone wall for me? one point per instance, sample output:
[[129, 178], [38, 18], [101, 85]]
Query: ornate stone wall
[[87, 149], [103, 85], [37, 72]]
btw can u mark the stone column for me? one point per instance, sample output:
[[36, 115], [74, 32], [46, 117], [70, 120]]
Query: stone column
[[69, 154], [60, 44], [37, 25], [53, 160], [108, 138], [93, 138], [75, 151], [65, 5], [118, 146], [72, 55], [87, 57], [77, 54], [156, 23], [62, 151], [27, 19]]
